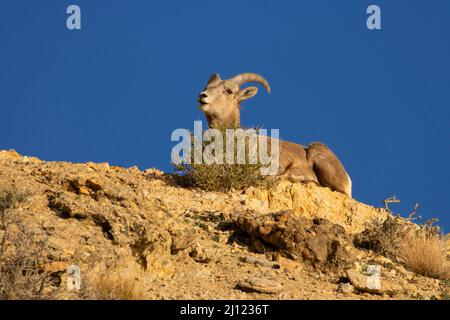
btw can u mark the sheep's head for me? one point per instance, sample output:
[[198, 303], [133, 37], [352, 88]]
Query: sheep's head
[[220, 101]]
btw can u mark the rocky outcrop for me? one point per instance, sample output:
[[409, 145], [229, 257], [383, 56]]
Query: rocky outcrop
[[310, 201], [316, 241]]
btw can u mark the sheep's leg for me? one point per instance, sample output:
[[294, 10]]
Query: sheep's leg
[[295, 178], [329, 170], [294, 164], [299, 171]]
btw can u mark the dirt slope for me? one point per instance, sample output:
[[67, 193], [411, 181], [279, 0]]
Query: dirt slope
[[189, 244]]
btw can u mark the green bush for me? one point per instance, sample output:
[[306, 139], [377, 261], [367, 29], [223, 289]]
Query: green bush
[[223, 177]]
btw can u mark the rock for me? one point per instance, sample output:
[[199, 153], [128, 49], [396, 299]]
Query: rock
[[372, 284], [94, 184], [392, 273], [260, 262], [55, 266], [317, 241], [13, 153], [84, 190], [361, 282], [260, 285], [407, 274], [290, 267], [200, 254], [181, 240], [154, 172], [345, 288], [311, 202], [103, 166], [385, 262]]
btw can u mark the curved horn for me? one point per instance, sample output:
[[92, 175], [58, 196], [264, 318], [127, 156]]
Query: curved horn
[[242, 78]]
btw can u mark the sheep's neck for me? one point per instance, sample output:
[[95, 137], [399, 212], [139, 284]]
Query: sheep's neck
[[233, 120]]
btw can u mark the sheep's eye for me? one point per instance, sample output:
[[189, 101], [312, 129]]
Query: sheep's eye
[[229, 91]]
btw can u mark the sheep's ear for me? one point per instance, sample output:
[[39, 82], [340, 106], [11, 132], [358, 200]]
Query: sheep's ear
[[247, 93], [213, 79]]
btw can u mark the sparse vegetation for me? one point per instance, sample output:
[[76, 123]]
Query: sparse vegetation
[[421, 248], [117, 284], [445, 290], [425, 254], [383, 237], [223, 177], [21, 255], [140, 238], [215, 238]]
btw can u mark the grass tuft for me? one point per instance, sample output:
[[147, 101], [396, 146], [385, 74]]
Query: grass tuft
[[116, 284], [425, 254]]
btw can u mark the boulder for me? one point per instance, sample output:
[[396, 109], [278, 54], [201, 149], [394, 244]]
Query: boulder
[[372, 283], [317, 241]]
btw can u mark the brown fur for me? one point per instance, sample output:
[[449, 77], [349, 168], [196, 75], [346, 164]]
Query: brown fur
[[220, 101]]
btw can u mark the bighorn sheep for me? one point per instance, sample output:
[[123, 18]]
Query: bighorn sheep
[[220, 101]]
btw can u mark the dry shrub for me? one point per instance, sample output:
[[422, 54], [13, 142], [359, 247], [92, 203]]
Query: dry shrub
[[118, 284], [425, 254], [422, 248], [223, 177], [22, 255], [383, 237]]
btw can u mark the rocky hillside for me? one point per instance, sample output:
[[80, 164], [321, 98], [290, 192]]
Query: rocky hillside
[[292, 242]]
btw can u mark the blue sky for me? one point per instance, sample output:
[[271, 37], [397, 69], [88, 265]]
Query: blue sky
[[116, 89]]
